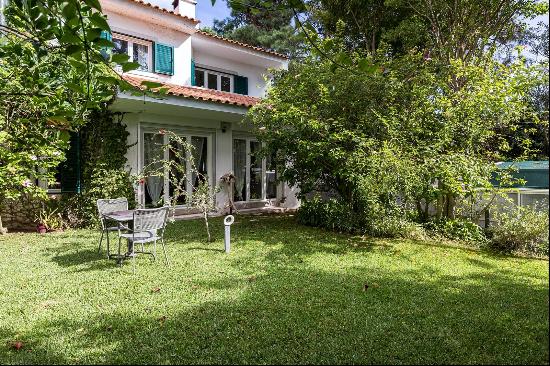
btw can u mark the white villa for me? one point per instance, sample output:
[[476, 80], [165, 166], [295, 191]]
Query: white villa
[[212, 82]]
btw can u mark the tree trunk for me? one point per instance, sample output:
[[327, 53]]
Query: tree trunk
[[450, 209], [207, 227]]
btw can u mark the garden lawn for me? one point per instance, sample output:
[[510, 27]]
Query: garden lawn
[[285, 294]]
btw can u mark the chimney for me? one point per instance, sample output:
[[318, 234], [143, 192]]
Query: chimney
[[184, 7]]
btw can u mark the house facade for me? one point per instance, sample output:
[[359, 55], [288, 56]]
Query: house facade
[[211, 82]]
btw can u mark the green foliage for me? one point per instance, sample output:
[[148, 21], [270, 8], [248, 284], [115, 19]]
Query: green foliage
[[411, 135], [50, 217], [103, 151], [50, 56], [335, 214], [460, 229], [520, 229], [255, 23], [80, 210]]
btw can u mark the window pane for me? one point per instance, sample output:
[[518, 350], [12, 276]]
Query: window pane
[[212, 81], [121, 46], [152, 156], [226, 84], [178, 171], [200, 152], [56, 182], [255, 172], [199, 78], [239, 169], [270, 176], [141, 56]]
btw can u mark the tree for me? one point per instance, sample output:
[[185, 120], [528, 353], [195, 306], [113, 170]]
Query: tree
[[259, 26], [339, 131], [55, 67]]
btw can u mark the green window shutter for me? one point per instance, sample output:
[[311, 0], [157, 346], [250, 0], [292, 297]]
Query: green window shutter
[[193, 81], [70, 169], [241, 85], [105, 51], [164, 59]]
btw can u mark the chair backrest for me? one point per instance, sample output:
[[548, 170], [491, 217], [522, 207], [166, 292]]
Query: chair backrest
[[150, 219], [105, 206]]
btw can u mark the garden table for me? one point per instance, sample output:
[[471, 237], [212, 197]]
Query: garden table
[[121, 218]]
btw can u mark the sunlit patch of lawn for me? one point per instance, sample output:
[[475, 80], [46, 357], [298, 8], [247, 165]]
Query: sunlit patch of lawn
[[285, 294]]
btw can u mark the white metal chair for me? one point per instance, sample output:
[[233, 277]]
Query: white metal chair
[[107, 206], [149, 227]]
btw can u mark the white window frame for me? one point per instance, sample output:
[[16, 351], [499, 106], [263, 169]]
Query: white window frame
[[248, 171], [43, 183], [219, 75], [131, 41], [189, 186]]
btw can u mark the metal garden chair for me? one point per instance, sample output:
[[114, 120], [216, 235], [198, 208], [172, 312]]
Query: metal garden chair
[[107, 206], [149, 227]]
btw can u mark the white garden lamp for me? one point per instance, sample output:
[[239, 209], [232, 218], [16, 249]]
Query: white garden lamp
[[228, 221]]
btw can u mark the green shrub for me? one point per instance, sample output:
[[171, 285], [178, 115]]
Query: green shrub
[[460, 229], [335, 214], [520, 229], [80, 210]]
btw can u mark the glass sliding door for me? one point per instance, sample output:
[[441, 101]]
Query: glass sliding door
[[270, 178], [254, 177], [255, 172], [154, 183], [161, 186], [239, 169], [178, 183], [200, 159]]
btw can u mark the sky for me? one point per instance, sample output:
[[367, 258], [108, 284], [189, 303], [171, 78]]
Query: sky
[[205, 12]]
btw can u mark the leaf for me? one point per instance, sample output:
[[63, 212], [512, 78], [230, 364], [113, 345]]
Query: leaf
[[78, 65], [111, 80], [129, 66], [69, 37], [94, 4], [98, 20], [151, 84], [16, 345], [104, 43], [343, 58], [119, 58], [74, 87], [73, 49], [69, 11], [93, 33]]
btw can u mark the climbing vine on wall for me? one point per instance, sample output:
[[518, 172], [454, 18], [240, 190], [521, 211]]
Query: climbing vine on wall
[[103, 173]]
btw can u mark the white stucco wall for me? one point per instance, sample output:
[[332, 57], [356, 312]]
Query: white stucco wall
[[255, 74], [190, 119], [158, 34]]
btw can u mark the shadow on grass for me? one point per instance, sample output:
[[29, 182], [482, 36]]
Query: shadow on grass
[[294, 315]]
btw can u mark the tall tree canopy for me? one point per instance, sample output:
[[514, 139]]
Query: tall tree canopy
[[253, 23]]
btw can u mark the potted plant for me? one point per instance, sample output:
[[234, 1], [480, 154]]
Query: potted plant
[[48, 220]]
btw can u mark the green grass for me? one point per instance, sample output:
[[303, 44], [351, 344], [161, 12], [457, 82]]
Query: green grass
[[286, 294]]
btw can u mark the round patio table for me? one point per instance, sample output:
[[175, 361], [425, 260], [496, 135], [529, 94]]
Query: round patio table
[[121, 218]]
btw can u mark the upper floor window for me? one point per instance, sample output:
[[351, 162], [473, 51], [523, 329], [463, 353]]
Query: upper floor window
[[213, 80], [139, 50]]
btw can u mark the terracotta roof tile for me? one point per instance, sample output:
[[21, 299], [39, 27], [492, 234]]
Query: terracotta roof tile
[[166, 11], [259, 49], [193, 92]]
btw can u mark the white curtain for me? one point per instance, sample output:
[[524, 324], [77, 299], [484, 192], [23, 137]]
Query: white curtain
[[239, 167], [152, 155], [198, 158]]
